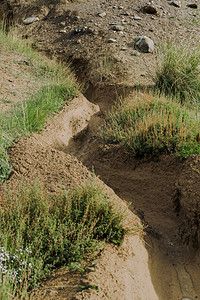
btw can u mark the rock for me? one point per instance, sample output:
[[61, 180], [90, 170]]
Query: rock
[[77, 30], [144, 44], [192, 5], [63, 23], [63, 31], [137, 18], [175, 3], [91, 30], [30, 20], [150, 9], [135, 53], [103, 14], [111, 40], [118, 28], [126, 13]]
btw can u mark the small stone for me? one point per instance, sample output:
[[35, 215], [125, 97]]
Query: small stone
[[63, 23], [63, 31], [103, 14], [123, 48], [135, 53], [118, 27], [126, 13], [150, 9], [192, 5], [77, 30], [175, 3], [30, 20], [111, 40], [137, 18], [78, 41], [91, 30], [77, 18], [144, 44], [121, 7]]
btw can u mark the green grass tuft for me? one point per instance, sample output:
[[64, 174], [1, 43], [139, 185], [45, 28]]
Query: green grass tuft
[[151, 125], [178, 72]]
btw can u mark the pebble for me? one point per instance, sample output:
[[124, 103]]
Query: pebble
[[30, 20], [118, 27], [126, 13], [135, 53], [192, 5], [175, 3], [111, 40], [137, 18], [63, 23], [103, 14], [63, 31]]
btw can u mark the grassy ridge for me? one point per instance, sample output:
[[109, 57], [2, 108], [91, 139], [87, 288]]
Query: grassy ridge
[[149, 124], [56, 86]]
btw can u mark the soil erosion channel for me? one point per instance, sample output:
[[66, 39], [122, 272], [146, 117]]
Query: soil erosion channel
[[149, 186]]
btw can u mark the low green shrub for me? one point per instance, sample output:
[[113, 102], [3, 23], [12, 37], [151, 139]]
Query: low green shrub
[[178, 72], [40, 231], [151, 125]]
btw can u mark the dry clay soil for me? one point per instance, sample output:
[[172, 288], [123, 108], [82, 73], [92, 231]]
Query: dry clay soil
[[163, 194]]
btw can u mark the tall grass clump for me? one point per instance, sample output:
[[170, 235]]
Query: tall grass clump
[[40, 231], [178, 72], [151, 125]]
